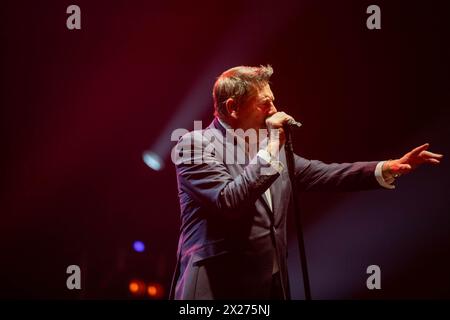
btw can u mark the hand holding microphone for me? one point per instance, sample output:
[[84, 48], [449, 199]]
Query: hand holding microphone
[[281, 119], [276, 123]]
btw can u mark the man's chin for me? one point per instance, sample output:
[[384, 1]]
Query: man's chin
[[259, 127]]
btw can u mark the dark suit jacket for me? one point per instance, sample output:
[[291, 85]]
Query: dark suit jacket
[[229, 236]]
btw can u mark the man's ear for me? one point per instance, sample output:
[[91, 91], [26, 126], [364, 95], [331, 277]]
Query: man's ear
[[231, 108]]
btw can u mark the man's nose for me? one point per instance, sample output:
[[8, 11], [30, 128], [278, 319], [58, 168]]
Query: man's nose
[[272, 111]]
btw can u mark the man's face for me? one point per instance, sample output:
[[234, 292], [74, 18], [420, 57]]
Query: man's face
[[257, 108]]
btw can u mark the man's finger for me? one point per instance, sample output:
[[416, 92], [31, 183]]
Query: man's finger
[[420, 149], [432, 155], [403, 168], [433, 161]]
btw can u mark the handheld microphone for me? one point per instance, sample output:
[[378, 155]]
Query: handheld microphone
[[293, 124]]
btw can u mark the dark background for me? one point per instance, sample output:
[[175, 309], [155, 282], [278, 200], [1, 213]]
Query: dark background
[[79, 108]]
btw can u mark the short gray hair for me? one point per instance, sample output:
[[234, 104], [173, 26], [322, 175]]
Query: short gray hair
[[238, 83]]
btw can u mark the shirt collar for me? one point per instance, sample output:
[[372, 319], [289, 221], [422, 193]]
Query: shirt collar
[[224, 124]]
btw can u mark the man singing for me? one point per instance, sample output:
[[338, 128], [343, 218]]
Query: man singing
[[233, 213]]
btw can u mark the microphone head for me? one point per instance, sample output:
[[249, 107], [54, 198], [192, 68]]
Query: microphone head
[[293, 123]]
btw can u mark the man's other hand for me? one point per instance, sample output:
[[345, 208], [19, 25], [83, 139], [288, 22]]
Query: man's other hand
[[410, 161]]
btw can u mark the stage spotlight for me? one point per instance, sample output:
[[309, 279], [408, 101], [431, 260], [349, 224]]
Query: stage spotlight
[[137, 287], [155, 290], [138, 246], [153, 160]]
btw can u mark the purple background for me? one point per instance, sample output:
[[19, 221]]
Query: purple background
[[80, 107]]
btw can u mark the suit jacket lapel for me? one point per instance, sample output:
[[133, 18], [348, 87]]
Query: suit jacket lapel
[[275, 191], [240, 166], [280, 189]]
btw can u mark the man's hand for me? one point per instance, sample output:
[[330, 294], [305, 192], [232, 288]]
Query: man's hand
[[410, 161], [275, 125]]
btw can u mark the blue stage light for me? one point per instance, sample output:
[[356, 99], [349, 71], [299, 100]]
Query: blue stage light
[[153, 160]]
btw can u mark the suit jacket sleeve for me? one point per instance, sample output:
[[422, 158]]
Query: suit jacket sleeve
[[314, 175], [205, 177]]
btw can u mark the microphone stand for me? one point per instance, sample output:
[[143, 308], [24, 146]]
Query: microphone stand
[[294, 197]]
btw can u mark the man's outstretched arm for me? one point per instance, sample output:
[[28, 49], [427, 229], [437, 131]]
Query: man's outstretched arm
[[318, 176]]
